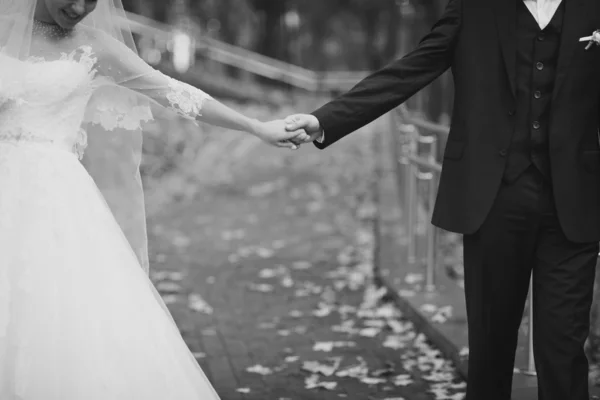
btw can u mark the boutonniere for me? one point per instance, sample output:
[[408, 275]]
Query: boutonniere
[[592, 40]]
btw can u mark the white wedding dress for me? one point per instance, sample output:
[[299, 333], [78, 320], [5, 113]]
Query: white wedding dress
[[79, 318]]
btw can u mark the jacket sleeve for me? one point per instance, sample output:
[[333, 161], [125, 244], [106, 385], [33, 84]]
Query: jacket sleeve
[[394, 84]]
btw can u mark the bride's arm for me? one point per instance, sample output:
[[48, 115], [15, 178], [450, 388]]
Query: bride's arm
[[125, 68]]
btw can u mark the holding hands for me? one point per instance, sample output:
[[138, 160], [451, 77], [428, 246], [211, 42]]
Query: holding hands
[[276, 134], [308, 122], [290, 133]]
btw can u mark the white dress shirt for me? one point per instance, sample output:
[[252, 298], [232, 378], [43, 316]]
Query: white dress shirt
[[542, 11]]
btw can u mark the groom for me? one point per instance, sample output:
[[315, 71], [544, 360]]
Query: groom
[[521, 176]]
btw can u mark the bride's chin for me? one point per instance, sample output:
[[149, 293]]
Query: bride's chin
[[67, 22]]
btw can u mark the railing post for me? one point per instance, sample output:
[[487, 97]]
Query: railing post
[[430, 270], [531, 371], [411, 193]]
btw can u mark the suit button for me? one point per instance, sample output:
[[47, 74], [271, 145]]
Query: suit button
[[537, 94], [539, 66], [503, 153], [536, 125], [541, 37], [511, 112]]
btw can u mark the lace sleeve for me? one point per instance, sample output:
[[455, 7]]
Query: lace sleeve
[[121, 66], [184, 99]]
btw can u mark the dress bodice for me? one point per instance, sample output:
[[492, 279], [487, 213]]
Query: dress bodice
[[45, 101], [52, 99]]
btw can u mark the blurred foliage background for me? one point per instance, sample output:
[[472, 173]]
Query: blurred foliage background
[[354, 35]]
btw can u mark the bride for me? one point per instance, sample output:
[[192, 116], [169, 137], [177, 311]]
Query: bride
[[79, 317]]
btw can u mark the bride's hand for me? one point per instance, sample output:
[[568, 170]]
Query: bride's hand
[[275, 133]]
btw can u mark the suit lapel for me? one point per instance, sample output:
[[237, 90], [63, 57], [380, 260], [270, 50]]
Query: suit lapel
[[506, 21], [574, 15]]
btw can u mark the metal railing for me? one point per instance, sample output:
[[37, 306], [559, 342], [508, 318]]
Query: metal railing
[[416, 149], [249, 61]]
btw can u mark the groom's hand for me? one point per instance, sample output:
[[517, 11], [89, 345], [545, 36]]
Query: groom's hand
[[276, 134], [308, 122]]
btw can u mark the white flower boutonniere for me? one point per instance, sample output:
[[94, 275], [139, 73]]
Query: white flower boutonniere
[[592, 40]]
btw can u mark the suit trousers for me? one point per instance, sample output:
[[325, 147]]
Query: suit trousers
[[520, 236]]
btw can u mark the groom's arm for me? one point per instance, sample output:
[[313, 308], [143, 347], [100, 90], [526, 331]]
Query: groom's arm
[[394, 84]]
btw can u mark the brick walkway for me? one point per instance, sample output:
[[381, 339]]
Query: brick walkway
[[267, 276]]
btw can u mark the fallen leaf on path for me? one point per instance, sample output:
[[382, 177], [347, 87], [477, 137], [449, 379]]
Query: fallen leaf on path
[[329, 346], [264, 252], [317, 368], [442, 314], [278, 244], [170, 299], [197, 303], [209, 332], [261, 287], [369, 332], [412, 279], [312, 382], [167, 275], [429, 308], [287, 282], [328, 295], [267, 325], [375, 323], [403, 380], [394, 342], [181, 241], [267, 188], [323, 310], [301, 265], [406, 293], [169, 287], [260, 370], [372, 381]]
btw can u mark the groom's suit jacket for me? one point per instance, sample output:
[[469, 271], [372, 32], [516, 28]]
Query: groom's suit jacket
[[477, 40]]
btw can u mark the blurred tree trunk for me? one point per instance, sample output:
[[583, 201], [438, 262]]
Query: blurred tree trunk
[[319, 33], [134, 6], [394, 25], [370, 20], [160, 10], [270, 42], [227, 33]]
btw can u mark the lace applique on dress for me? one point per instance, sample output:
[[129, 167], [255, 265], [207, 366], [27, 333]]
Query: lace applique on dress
[[111, 115], [86, 57], [185, 99], [80, 144]]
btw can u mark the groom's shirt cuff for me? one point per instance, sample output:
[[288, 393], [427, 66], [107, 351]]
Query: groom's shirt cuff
[[322, 138]]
